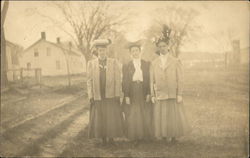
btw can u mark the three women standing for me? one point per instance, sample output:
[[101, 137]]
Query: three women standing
[[160, 83]]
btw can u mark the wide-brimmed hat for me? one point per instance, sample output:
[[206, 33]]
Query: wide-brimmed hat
[[137, 43], [102, 42]]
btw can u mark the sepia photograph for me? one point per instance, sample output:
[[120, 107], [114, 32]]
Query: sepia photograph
[[124, 79]]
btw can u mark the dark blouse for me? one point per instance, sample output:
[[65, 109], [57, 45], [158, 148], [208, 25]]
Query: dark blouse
[[102, 66]]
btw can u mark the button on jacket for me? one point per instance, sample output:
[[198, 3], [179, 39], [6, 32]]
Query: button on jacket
[[166, 81]]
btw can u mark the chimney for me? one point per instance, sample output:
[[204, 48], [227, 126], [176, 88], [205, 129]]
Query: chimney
[[70, 45], [58, 40], [43, 35]]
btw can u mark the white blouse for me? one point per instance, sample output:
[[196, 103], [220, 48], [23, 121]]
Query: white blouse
[[163, 60], [138, 72]]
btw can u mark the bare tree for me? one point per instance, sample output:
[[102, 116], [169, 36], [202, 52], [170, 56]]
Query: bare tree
[[86, 21], [181, 22], [4, 80]]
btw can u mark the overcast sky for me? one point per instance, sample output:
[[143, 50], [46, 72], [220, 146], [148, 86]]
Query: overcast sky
[[22, 27]]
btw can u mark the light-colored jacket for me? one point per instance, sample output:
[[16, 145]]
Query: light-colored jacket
[[113, 79], [166, 82]]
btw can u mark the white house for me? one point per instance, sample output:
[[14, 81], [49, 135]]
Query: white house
[[53, 58], [12, 55]]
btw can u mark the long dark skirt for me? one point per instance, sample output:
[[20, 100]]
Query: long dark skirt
[[139, 115], [105, 119], [170, 119]]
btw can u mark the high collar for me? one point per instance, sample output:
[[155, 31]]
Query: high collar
[[164, 61], [102, 62], [164, 56], [136, 60]]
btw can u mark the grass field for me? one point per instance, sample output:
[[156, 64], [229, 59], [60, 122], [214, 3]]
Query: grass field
[[217, 104]]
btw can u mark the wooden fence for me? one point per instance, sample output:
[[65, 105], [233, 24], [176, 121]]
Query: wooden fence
[[30, 76]]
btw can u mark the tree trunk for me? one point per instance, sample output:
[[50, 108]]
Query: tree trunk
[[4, 80], [176, 50], [86, 52]]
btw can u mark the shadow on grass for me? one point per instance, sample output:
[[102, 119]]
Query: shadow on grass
[[81, 146], [34, 148]]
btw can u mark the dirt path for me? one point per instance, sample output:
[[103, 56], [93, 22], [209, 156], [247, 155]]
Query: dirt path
[[30, 137]]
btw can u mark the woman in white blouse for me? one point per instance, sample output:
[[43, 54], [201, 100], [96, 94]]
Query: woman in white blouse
[[136, 88]]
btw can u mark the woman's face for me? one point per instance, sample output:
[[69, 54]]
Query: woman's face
[[135, 52], [163, 48], [102, 52]]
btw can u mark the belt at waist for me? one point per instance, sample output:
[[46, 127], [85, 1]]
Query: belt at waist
[[137, 81]]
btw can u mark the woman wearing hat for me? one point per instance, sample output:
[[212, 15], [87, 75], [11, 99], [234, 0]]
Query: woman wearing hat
[[166, 90], [104, 92], [136, 88]]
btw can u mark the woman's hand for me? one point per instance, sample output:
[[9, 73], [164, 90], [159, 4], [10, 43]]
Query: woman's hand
[[179, 98], [121, 100], [148, 98], [153, 99], [91, 100], [127, 100]]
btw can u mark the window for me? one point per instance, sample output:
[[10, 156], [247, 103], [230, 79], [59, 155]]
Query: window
[[28, 65], [48, 51], [58, 66], [36, 54]]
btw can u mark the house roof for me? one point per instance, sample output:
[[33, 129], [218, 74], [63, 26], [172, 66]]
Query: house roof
[[12, 44], [61, 46]]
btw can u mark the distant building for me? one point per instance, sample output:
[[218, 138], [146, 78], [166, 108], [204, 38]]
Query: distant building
[[237, 54], [53, 58], [244, 55], [193, 58], [13, 52]]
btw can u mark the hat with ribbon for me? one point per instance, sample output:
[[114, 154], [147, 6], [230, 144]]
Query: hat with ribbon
[[102, 42]]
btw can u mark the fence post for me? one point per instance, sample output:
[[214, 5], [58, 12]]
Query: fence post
[[21, 74], [37, 75], [40, 77]]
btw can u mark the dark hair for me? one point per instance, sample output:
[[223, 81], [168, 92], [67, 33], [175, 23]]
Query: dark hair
[[95, 53], [101, 46], [161, 40], [137, 46]]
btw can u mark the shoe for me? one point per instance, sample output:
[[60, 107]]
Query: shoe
[[136, 143], [104, 141], [174, 140], [111, 141]]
